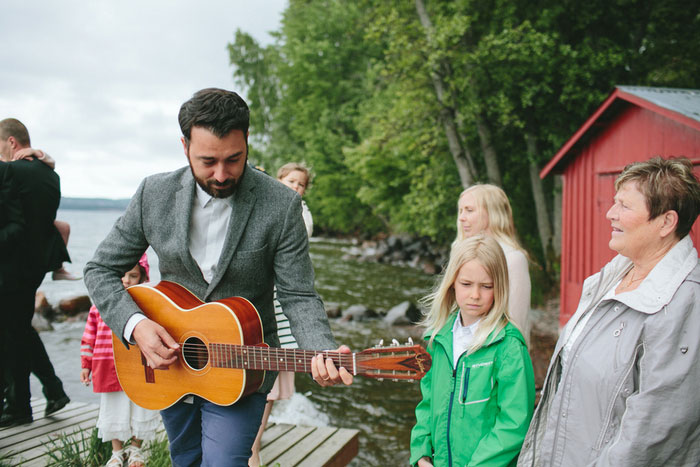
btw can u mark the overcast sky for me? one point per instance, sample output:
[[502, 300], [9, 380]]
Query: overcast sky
[[99, 83]]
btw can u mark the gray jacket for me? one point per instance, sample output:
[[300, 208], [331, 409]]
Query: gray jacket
[[266, 245], [629, 393]]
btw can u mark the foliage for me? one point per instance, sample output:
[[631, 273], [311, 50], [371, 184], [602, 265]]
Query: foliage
[[79, 450], [6, 459], [317, 69], [158, 453], [349, 88], [76, 450]]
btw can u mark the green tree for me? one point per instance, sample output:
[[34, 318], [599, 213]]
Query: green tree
[[399, 105], [319, 67]]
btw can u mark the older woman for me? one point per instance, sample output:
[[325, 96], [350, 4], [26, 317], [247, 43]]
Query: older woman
[[485, 209], [622, 386]]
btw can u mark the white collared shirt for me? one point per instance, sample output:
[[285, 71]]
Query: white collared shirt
[[208, 227], [210, 219], [462, 337]]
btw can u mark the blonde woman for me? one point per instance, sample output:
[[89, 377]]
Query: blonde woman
[[485, 209], [479, 394]]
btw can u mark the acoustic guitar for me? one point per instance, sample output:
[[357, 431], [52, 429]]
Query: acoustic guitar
[[222, 356]]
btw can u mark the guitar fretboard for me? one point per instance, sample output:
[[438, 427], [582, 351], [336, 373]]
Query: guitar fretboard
[[251, 357]]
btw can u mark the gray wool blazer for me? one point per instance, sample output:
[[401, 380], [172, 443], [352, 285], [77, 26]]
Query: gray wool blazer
[[266, 245]]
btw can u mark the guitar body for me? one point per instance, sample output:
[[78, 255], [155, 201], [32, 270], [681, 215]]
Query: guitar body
[[197, 324]]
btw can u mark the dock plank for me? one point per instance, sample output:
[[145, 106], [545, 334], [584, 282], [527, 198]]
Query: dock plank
[[274, 432], [304, 447], [284, 444], [337, 451]]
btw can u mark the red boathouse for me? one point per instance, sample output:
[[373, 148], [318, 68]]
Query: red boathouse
[[633, 124]]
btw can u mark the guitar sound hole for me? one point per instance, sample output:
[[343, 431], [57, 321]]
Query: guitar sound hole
[[195, 353]]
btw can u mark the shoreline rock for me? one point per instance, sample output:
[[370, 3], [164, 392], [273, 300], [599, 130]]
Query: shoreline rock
[[68, 309], [417, 253]]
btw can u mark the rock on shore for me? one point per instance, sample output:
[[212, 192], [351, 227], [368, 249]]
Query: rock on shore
[[402, 251]]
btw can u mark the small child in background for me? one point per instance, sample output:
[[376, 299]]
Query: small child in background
[[296, 177], [481, 384], [119, 418]]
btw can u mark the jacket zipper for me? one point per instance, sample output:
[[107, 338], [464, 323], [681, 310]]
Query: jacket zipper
[[449, 411], [449, 417]]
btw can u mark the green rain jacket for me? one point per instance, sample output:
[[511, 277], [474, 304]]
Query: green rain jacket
[[477, 414]]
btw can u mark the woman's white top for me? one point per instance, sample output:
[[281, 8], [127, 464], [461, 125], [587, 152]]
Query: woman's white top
[[520, 289]]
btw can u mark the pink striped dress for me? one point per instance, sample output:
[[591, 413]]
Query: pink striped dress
[[97, 355]]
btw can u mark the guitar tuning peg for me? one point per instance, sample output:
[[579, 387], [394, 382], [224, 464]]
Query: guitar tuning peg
[[409, 342], [396, 380], [381, 343], [395, 343], [380, 379]]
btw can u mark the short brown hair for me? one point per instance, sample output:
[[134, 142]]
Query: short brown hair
[[667, 185], [216, 110], [15, 128]]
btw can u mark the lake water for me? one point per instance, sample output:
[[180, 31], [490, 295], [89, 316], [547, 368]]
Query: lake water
[[381, 410]]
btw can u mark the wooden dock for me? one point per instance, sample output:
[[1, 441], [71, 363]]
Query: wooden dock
[[282, 444]]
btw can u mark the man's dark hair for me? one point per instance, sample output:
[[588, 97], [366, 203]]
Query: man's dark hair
[[15, 128], [216, 110]]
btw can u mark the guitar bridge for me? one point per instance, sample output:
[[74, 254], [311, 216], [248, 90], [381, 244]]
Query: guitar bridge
[[147, 370]]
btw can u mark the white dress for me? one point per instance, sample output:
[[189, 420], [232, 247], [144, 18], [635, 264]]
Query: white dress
[[119, 418]]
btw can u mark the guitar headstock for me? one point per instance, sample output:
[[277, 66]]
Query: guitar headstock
[[397, 362]]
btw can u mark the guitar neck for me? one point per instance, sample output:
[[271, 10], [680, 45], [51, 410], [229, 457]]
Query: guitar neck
[[396, 362], [252, 357]]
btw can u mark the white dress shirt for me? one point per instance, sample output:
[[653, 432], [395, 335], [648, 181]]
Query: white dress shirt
[[208, 227], [462, 337]]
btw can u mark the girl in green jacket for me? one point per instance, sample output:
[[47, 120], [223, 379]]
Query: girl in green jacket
[[479, 394]]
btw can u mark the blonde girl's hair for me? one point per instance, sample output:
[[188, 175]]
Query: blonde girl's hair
[[494, 202], [441, 303], [290, 167]]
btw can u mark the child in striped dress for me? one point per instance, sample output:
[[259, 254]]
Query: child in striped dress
[[119, 418], [296, 177]]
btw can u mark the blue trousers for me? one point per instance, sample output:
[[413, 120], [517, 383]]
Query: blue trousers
[[206, 434]]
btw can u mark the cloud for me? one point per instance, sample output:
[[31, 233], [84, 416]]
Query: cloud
[[99, 84]]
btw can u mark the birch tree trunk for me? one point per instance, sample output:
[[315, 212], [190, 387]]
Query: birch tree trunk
[[460, 151], [489, 152], [543, 224]]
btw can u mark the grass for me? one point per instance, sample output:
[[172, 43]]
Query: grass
[[5, 459], [79, 450]]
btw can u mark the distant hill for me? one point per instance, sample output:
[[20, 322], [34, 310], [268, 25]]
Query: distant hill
[[94, 203]]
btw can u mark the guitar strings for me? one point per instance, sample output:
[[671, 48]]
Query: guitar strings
[[262, 354], [240, 356]]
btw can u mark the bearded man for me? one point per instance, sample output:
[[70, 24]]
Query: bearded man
[[220, 229]]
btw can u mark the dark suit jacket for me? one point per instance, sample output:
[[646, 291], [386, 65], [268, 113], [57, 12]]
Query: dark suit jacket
[[38, 189], [266, 245], [11, 229]]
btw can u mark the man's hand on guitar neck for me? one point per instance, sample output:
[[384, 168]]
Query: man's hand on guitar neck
[[159, 348], [325, 373]]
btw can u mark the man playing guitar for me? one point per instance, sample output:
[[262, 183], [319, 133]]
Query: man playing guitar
[[220, 230]]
